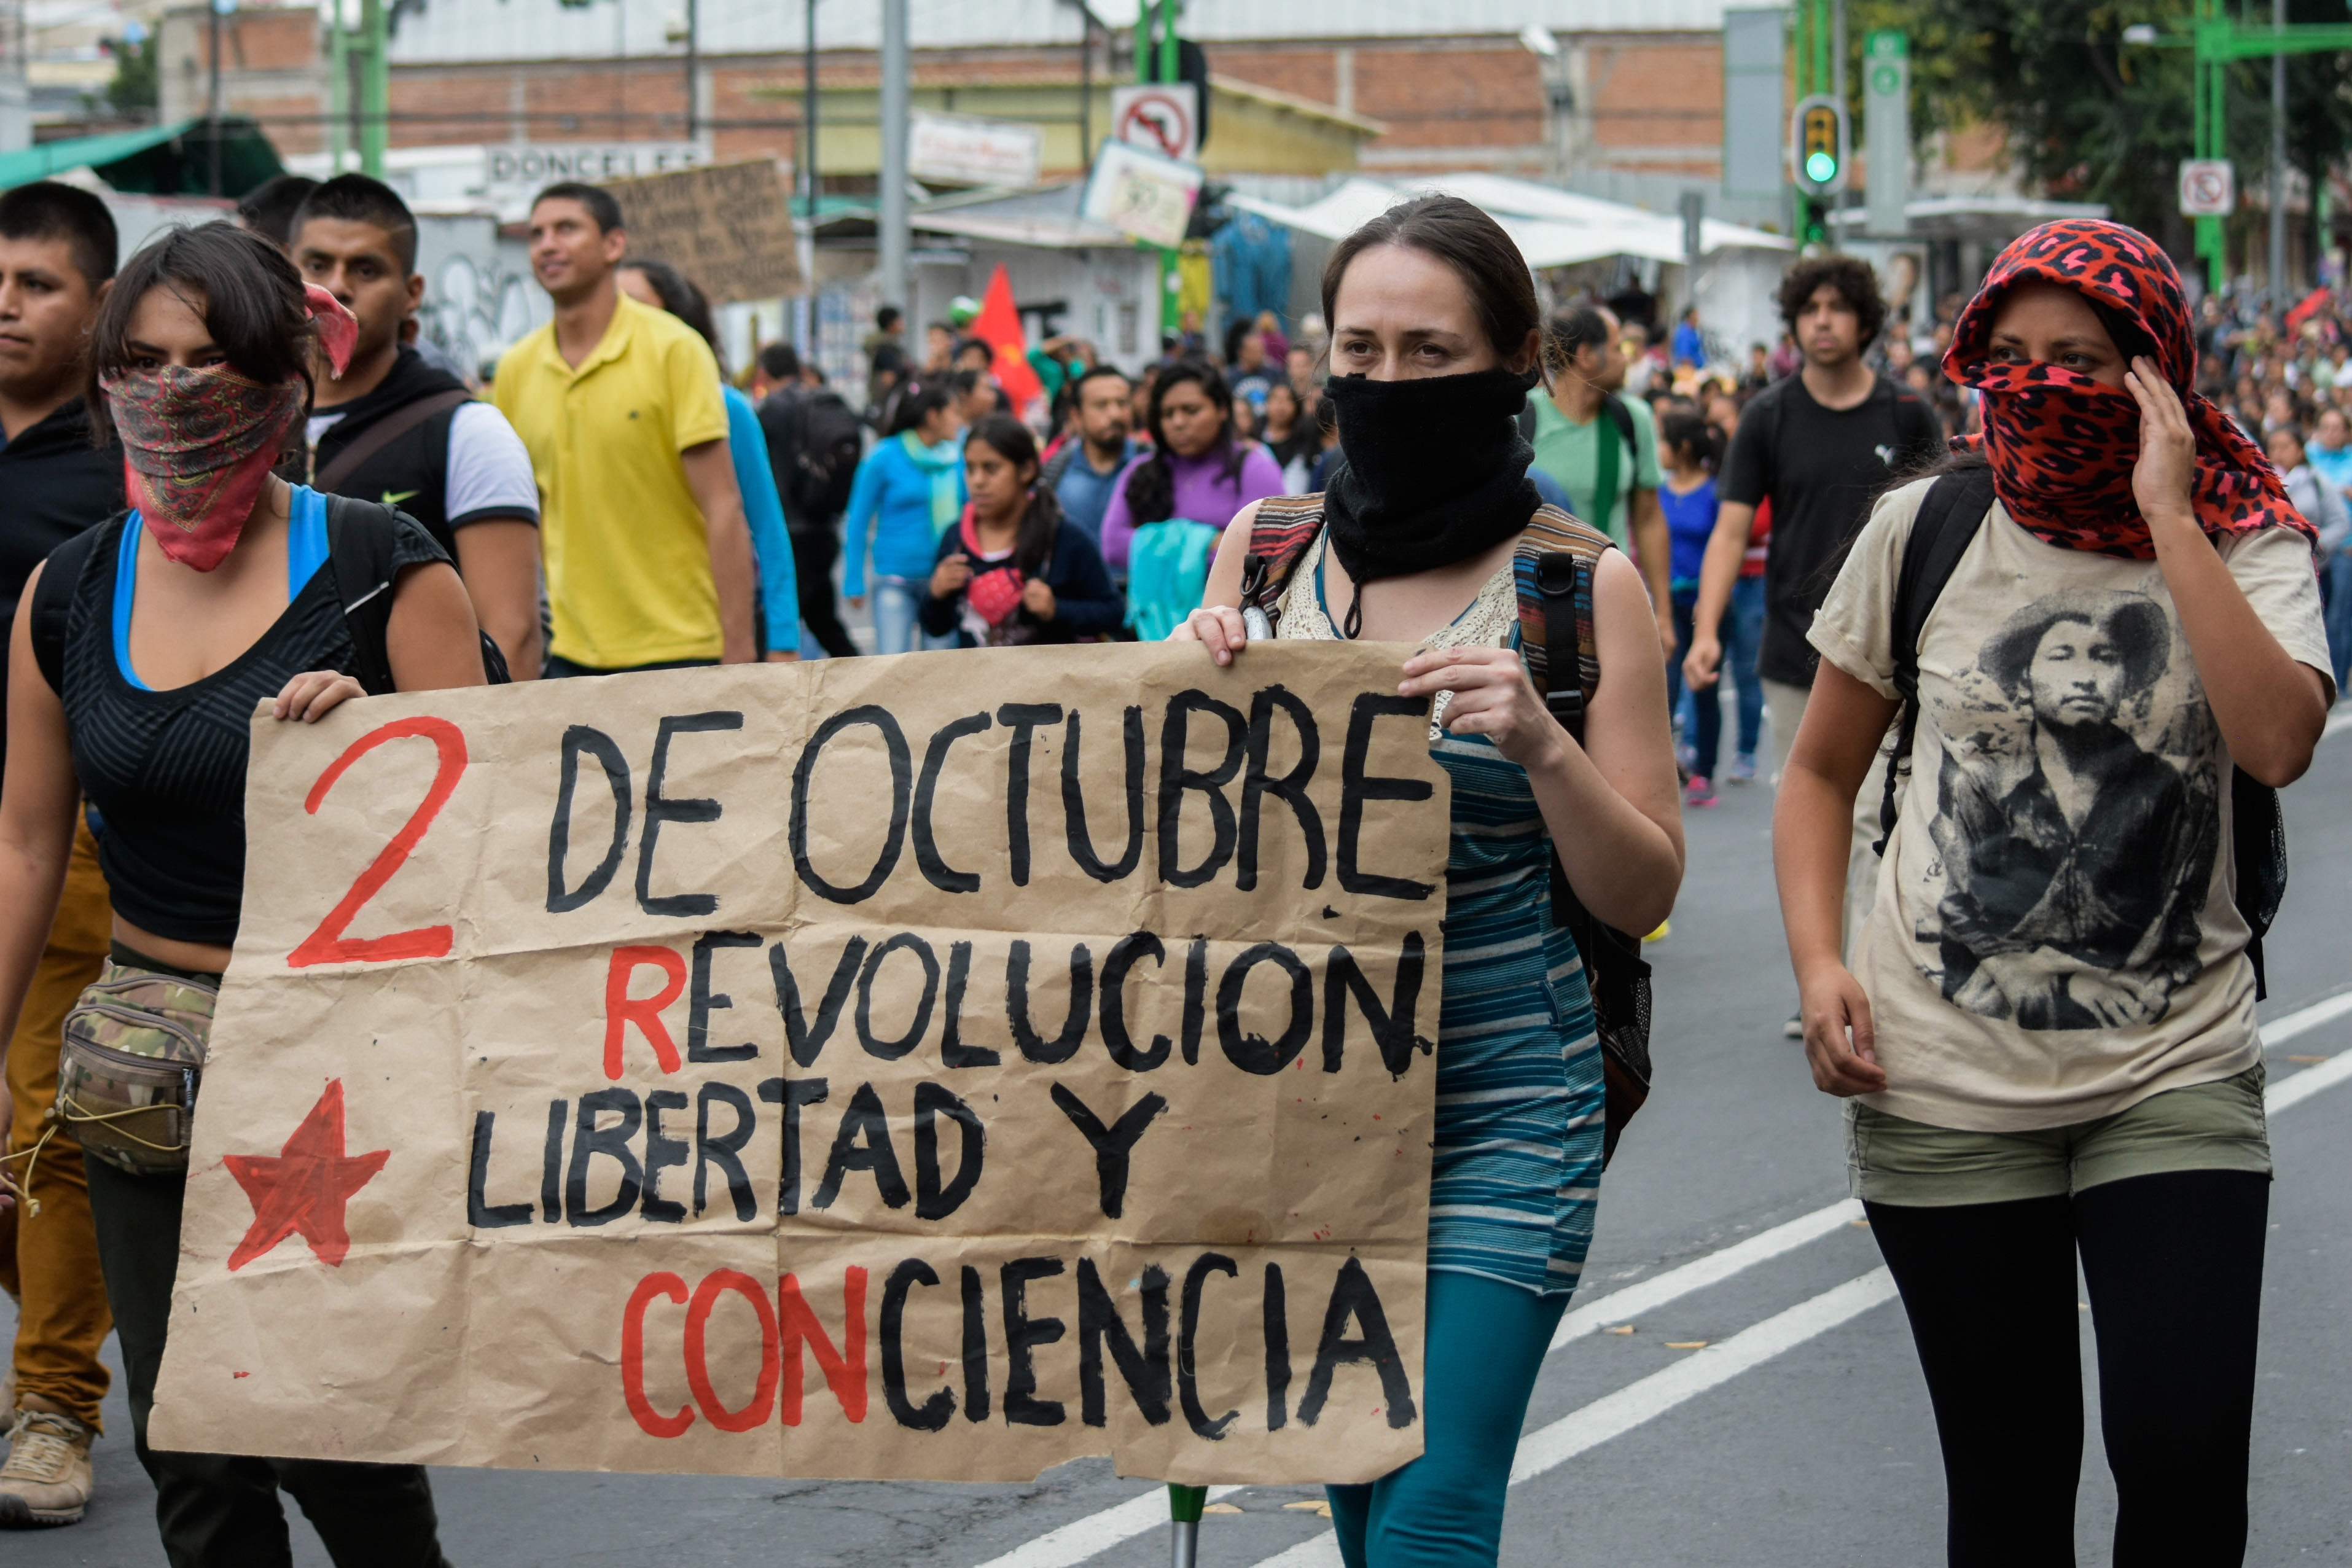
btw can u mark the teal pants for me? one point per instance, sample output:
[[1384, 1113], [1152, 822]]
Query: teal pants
[[1486, 1343]]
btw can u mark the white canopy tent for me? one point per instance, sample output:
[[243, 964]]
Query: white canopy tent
[[1740, 268]]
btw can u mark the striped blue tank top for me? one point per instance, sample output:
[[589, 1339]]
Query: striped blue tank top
[[1516, 1173]]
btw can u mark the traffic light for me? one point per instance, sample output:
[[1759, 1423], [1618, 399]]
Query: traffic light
[[1818, 145]]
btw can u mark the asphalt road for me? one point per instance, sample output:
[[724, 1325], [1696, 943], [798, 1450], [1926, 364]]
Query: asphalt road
[[1799, 1436]]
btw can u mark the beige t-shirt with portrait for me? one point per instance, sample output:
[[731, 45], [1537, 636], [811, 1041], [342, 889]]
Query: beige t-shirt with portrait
[[2054, 937]]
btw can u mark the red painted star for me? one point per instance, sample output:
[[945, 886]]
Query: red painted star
[[305, 1185]]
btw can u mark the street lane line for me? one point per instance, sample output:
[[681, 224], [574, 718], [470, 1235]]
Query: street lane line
[[1082, 1539], [2302, 1085], [1075, 1542], [2341, 720], [1619, 1413], [1647, 1295], [2325, 1011]]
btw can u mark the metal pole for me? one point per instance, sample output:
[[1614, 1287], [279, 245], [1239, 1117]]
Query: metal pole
[[339, 91], [2278, 165], [808, 111], [212, 101], [1085, 86], [897, 286], [693, 62], [375, 97]]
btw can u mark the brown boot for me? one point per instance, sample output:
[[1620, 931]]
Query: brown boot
[[47, 1480]]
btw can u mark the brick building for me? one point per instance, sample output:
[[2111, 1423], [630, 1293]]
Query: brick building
[[1632, 86]]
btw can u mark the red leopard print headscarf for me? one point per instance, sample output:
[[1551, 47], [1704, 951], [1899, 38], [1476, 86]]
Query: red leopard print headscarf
[[2060, 444]]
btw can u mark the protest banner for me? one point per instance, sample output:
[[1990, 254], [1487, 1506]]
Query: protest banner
[[942, 1066], [725, 225]]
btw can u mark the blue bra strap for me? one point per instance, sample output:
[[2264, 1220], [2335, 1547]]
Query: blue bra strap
[[305, 552], [126, 589]]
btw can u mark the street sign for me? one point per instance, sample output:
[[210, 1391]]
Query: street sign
[[964, 150], [1141, 194], [2208, 188], [1160, 117], [1886, 129], [1818, 145]]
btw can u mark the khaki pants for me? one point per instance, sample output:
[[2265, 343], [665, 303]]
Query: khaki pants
[[1786, 705], [48, 1261]]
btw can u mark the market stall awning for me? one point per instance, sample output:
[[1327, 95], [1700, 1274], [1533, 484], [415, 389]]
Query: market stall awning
[[174, 160], [1552, 227]]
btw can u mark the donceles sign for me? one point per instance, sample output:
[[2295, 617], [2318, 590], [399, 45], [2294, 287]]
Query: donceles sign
[[521, 168]]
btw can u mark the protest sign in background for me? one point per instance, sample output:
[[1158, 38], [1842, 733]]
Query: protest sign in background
[[923, 1066], [725, 225]]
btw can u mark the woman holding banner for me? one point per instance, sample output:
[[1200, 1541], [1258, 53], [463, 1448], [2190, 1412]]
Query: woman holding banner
[[143, 651], [1437, 339]]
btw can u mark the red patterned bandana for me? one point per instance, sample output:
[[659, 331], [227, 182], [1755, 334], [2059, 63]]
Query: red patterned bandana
[[197, 446], [2061, 445], [994, 594]]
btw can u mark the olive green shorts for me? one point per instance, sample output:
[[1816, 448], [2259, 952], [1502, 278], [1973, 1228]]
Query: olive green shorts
[[2217, 1126]]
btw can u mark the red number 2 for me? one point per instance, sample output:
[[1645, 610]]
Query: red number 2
[[328, 944]]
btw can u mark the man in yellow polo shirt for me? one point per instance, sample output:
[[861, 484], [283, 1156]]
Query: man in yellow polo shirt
[[648, 557]]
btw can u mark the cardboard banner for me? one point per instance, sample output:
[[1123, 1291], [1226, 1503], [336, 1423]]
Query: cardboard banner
[[941, 1066], [725, 225]]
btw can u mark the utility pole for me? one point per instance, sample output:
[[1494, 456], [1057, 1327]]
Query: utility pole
[[693, 64], [897, 283], [2278, 164], [376, 84], [808, 113]]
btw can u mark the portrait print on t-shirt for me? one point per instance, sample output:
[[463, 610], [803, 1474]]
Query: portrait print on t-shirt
[[2077, 817]]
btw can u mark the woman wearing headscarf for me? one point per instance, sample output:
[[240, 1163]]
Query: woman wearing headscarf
[[2046, 1040], [216, 594]]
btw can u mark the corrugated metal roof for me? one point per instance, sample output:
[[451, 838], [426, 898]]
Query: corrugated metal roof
[[449, 32]]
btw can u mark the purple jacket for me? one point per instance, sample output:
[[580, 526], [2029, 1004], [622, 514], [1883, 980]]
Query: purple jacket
[[1202, 496]]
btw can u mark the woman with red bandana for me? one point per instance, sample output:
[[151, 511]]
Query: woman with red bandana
[[132, 684], [2047, 1042]]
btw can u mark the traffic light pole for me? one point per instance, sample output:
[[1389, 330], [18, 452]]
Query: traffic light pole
[[1156, 62]]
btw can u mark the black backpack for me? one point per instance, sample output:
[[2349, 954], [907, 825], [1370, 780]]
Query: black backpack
[[360, 546], [831, 441], [1949, 515]]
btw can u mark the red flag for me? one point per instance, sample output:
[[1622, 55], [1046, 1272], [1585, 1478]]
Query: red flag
[[999, 325]]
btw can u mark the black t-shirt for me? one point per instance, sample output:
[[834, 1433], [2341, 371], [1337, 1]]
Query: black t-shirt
[[55, 484], [1822, 467]]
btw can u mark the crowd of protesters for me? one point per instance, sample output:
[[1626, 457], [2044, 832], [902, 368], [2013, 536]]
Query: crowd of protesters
[[201, 449]]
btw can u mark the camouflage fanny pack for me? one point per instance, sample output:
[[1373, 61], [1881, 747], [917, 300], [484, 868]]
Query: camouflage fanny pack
[[130, 1065]]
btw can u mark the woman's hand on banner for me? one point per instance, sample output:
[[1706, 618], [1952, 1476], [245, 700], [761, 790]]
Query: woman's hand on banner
[[1217, 625], [314, 693], [1492, 696]]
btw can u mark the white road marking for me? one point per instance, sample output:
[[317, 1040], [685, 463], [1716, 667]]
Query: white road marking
[[1648, 1295], [1619, 1413], [2338, 721], [1081, 1539], [1616, 1414]]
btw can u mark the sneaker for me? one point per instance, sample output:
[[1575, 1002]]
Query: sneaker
[[47, 1480], [1685, 756], [1698, 791], [1795, 1028], [1743, 769], [1666, 929]]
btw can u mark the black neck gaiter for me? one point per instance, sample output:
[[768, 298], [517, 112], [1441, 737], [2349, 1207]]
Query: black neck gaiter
[[1434, 471]]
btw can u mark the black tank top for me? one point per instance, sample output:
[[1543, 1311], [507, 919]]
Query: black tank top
[[166, 768]]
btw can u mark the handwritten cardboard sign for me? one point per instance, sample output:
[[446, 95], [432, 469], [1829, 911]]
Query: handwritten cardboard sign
[[725, 225], [941, 1066]]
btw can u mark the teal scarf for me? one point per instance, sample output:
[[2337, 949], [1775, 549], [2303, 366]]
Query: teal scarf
[[945, 465]]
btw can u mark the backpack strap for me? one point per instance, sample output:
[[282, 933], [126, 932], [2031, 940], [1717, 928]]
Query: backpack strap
[[1553, 570], [383, 433], [1949, 515], [1623, 418], [1279, 537], [360, 548], [52, 604]]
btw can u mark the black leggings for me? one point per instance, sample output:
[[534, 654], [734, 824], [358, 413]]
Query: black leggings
[[2175, 1267]]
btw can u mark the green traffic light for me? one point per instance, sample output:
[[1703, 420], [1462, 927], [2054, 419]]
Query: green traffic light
[[1819, 168]]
